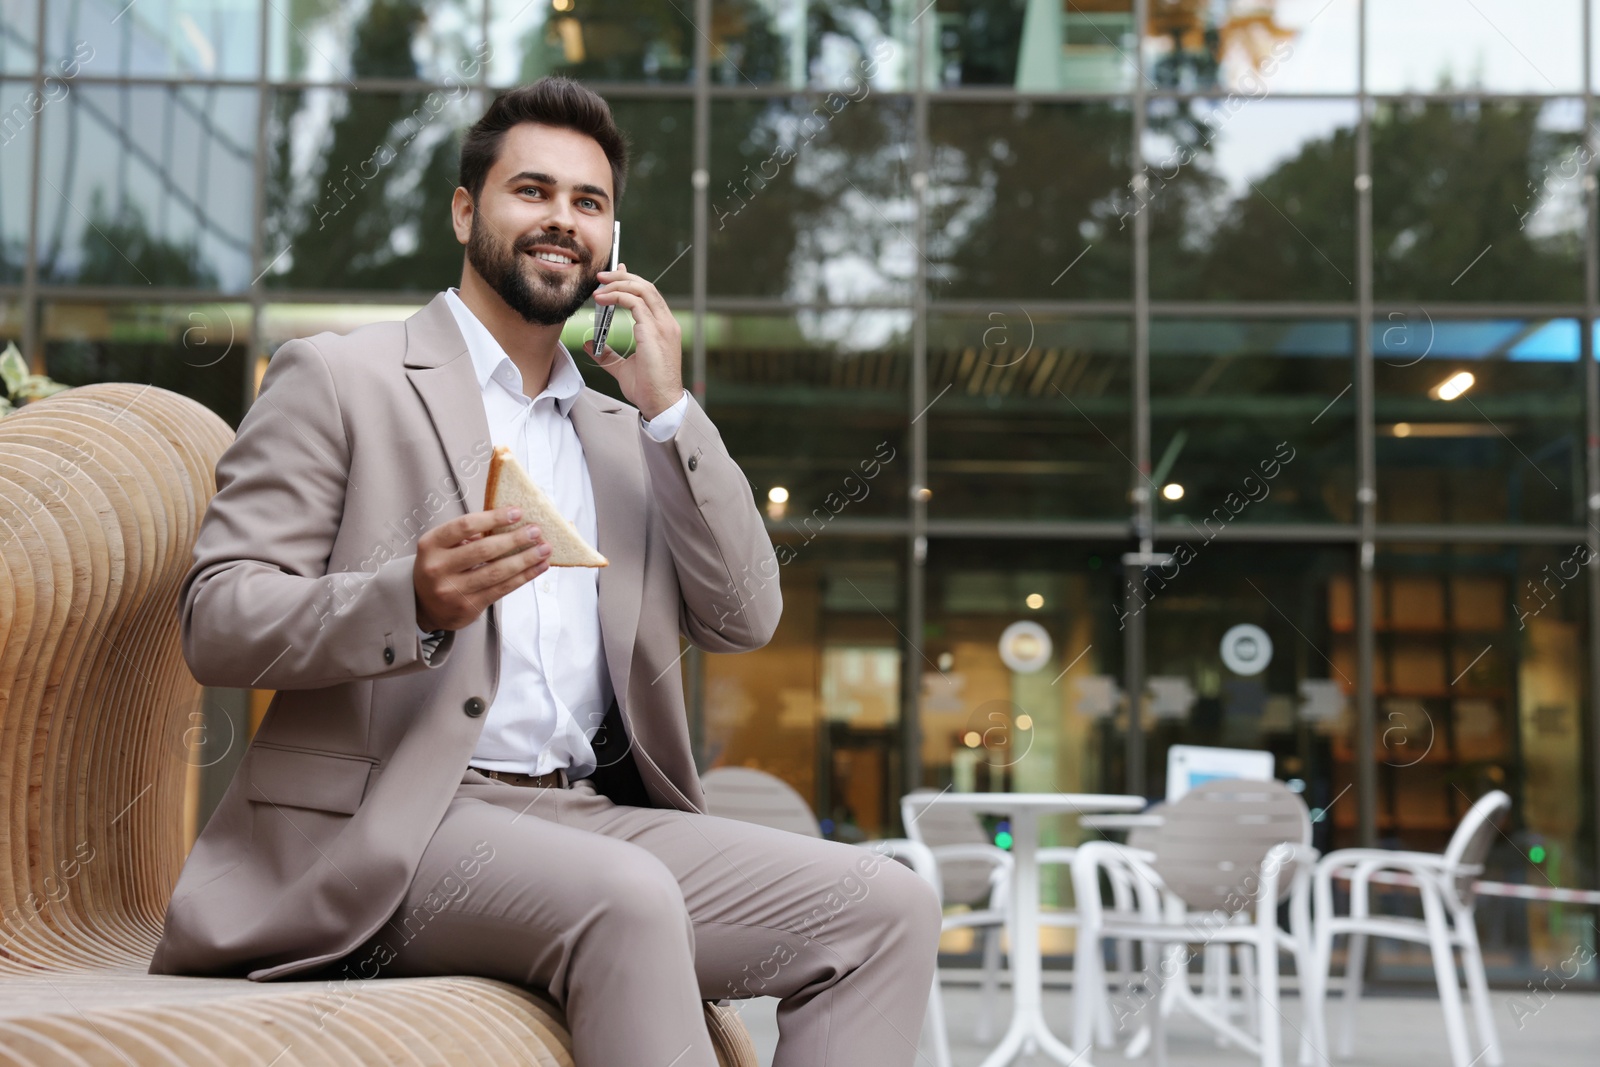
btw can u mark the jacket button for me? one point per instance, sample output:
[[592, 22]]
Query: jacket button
[[473, 707], [388, 655], [694, 461]]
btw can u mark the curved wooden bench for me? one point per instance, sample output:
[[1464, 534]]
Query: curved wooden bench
[[102, 489]]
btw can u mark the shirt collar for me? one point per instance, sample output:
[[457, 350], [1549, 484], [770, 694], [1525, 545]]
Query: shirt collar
[[566, 381]]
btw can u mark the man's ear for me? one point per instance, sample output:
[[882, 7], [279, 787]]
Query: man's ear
[[461, 212]]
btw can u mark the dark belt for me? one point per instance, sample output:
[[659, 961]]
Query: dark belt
[[556, 779]]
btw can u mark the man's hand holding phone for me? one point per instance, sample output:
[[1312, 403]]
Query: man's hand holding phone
[[652, 378], [457, 574]]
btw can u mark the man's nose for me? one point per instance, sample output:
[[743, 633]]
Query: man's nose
[[562, 217]]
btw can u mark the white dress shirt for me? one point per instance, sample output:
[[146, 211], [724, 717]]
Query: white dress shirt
[[554, 686]]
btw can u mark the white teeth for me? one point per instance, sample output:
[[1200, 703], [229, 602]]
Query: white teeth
[[551, 257]]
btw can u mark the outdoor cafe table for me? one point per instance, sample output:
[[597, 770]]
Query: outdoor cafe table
[[1027, 1032]]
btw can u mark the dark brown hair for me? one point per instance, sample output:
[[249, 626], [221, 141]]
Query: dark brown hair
[[552, 101]]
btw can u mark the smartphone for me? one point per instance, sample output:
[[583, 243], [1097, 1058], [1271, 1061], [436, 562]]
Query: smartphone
[[602, 317]]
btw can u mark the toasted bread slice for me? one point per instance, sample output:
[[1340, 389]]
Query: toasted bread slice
[[510, 486]]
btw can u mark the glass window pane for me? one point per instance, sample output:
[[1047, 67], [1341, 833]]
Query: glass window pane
[[1251, 202], [20, 107], [622, 41], [1007, 221], [148, 185], [1480, 674], [1478, 420], [1498, 45], [197, 349], [811, 199], [814, 406], [1477, 200], [359, 188], [657, 208], [338, 41], [189, 38], [819, 705], [1037, 45], [1251, 422], [11, 321], [1028, 416], [1298, 706], [19, 22], [1287, 46], [842, 45], [992, 721]]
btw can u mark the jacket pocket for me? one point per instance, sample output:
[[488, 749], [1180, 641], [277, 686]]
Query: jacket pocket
[[306, 778]]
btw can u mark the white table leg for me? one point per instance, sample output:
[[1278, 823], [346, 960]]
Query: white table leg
[[1028, 1031]]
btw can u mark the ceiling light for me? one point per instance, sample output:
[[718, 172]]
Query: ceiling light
[[1172, 491], [1034, 601], [1453, 386], [778, 495]]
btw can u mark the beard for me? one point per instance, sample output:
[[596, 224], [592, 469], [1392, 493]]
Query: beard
[[541, 297]]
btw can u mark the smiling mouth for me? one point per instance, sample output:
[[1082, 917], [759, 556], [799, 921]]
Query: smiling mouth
[[551, 260]]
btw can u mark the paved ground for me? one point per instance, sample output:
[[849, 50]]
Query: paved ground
[[1394, 1031]]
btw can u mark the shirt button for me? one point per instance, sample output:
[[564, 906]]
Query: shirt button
[[473, 707], [694, 461], [388, 655]]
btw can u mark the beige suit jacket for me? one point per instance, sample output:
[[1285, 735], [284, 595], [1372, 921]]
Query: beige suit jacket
[[302, 583]]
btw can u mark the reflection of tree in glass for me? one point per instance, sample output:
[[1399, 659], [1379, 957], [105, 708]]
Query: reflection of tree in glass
[[657, 209], [1017, 193], [611, 40], [373, 211], [1292, 236], [746, 45], [979, 40], [808, 203], [1449, 181], [751, 41], [840, 35], [121, 250]]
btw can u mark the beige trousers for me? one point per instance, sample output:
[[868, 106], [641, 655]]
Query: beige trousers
[[629, 917]]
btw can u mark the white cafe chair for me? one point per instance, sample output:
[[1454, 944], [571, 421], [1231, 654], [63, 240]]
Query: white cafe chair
[[1215, 871], [1445, 883]]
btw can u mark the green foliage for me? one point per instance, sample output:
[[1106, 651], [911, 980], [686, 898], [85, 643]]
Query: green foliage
[[22, 386]]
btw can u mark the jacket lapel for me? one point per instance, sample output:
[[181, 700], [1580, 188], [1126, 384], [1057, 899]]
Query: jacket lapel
[[440, 369], [609, 432]]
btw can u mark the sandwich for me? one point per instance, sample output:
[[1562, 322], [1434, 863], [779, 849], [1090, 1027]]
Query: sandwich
[[510, 487]]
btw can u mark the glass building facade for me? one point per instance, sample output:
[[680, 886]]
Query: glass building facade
[[1058, 338]]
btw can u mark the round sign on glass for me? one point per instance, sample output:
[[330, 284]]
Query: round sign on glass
[[1025, 646], [1246, 649]]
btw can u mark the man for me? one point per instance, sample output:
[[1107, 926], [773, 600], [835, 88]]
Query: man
[[479, 765]]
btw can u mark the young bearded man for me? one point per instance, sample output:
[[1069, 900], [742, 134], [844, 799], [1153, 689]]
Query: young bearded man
[[474, 763]]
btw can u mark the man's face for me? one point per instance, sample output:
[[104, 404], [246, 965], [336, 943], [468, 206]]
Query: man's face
[[541, 231]]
